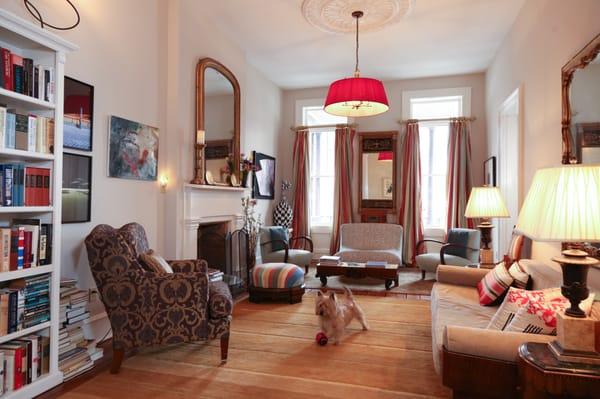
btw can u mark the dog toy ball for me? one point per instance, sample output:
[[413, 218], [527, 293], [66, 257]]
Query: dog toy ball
[[321, 338]]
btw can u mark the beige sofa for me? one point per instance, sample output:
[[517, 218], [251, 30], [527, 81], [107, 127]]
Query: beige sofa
[[460, 337], [362, 242]]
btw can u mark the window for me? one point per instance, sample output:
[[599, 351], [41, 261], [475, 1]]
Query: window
[[322, 159], [433, 135]]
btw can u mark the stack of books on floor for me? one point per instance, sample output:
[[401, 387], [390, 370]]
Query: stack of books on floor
[[23, 361], [24, 303], [214, 275], [76, 355], [327, 260]]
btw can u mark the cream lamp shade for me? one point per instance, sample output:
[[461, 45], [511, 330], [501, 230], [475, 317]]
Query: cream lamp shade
[[563, 204], [486, 202]]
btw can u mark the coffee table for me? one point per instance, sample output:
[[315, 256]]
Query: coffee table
[[389, 273]]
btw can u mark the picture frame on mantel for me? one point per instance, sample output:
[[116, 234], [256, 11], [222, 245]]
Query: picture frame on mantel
[[489, 172], [263, 178]]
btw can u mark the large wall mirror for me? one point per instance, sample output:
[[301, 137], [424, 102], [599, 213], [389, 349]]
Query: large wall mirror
[[218, 115], [377, 175], [581, 106]]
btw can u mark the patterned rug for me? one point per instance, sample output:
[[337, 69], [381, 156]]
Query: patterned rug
[[409, 279]]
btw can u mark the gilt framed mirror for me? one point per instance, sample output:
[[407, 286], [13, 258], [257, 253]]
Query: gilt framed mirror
[[377, 175], [218, 115]]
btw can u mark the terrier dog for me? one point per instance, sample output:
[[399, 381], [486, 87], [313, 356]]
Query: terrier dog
[[335, 314]]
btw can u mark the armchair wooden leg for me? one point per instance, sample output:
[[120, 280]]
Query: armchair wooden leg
[[117, 359], [422, 274], [224, 347]]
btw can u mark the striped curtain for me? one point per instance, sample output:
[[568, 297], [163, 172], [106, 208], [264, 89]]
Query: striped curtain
[[459, 181], [342, 201], [410, 194], [300, 221]]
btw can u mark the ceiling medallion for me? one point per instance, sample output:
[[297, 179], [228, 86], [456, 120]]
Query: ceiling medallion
[[332, 15]]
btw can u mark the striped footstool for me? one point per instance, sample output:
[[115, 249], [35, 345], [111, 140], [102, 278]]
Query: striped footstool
[[276, 282]]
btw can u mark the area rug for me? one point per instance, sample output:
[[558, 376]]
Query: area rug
[[409, 279]]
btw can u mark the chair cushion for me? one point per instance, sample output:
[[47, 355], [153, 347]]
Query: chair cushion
[[461, 237], [277, 275], [390, 256], [278, 233], [155, 263], [494, 284], [430, 261], [298, 257], [220, 303]]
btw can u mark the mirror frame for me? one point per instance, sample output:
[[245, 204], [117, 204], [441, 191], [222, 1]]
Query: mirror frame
[[364, 208], [201, 67], [579, 61]]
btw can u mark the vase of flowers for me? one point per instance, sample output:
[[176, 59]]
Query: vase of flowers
[[246, 167], [252, 225]]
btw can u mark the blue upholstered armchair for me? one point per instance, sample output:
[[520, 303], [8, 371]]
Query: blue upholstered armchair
[[460, 249], [275, 246]]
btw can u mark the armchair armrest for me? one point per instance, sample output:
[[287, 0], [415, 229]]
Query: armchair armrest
[[189, 265], [492, 344], [305, 238], [427, 240], [445, 247], [458, 275]]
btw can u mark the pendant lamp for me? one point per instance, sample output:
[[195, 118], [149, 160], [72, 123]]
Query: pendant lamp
[[356, 96]]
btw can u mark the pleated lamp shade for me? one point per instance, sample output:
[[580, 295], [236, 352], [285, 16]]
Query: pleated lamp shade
[[563, 204], [356, 97], [486, 202]]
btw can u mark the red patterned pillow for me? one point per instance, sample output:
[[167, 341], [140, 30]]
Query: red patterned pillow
[[494, 284], [515, 300]]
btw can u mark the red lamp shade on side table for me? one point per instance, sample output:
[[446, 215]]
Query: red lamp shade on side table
[[356, 97]]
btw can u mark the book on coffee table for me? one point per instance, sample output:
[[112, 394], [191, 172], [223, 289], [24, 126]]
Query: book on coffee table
[[327, 260], [373, 263]]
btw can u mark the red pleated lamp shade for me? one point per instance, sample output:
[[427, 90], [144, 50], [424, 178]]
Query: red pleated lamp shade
[[355, 97], [385, 156]]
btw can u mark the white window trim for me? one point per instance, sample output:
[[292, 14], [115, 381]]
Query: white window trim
[[300, 104], [407, 95]]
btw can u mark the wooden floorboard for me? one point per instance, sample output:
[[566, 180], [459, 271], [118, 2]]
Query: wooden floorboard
[[272, 354]]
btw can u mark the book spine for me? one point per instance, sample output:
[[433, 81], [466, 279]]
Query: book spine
[[7, 69], [9, 138], [45, 191], [3, 124], [5, 235], [28, 183], [31, 133], [27, 251], [13, 320], [21, 249], [8, 183], [18, 368]]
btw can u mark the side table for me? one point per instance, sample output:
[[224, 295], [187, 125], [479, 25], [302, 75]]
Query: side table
[[541, 375]]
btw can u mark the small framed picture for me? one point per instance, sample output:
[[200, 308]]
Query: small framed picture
[[388, 188], [489, 172], [77, 188], [588, 142], [78, 124], [263, 183]]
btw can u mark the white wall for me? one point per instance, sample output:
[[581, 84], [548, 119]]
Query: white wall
[[546, 34]]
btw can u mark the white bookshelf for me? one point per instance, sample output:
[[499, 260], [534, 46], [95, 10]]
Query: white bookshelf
[[29, 40]]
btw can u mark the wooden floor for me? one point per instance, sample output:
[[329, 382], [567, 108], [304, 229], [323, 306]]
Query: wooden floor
[[272, 354]]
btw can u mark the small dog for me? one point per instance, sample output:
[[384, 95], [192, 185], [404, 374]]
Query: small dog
[[335, 314]]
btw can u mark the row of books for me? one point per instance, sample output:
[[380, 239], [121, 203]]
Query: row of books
[[23, 361], [215, 275], [24, 303], [22, 185], [327, 260], [26, 244], [76, 354], [23, 75], [26, 132]]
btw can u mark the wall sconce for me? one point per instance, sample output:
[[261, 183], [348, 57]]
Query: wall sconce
[[163, 180]]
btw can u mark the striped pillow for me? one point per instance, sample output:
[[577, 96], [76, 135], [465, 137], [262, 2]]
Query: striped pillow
[[494, 284], [516, 245], [520, 276]]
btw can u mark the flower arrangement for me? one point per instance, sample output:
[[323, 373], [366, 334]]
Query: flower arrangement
[[247, 166], [252, 225]]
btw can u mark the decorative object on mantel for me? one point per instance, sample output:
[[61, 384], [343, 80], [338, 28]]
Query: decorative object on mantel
[[563, 204], [283, 213], [210, 180], [356, 96], [263, 183], [234, 181], [252, 225], [246, 167], [133, 150], [199, 165], [38, 16]]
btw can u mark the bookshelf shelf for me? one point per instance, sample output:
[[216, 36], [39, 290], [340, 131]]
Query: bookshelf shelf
[[25, 209], [41, 385], [25, 155], [34, 271], [22, 333], [18, 100]]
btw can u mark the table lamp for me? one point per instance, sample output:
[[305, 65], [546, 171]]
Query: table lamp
[[486, 203], [563, 205]]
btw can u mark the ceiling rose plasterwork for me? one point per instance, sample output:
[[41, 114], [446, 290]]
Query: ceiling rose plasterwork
[[335, 16]]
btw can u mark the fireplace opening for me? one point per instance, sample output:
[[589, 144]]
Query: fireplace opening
[[226, 252]]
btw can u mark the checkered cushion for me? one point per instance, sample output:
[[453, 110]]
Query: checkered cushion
[[277, 275]]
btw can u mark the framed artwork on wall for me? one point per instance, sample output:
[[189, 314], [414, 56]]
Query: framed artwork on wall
[[78, 124], [77, 188], [489, 172], [263, 181], [388, 188], [587, 145], [133, 150]]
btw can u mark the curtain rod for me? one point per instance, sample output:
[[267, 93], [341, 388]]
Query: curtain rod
[[338, 125], [462, 118]]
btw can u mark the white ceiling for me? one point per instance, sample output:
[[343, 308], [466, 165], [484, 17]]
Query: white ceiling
[[439, 37]]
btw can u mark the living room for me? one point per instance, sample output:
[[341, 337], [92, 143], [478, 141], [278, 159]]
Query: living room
[[425, 167]]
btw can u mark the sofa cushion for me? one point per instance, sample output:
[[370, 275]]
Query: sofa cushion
[[455, 305], [278, 234], [514, 300], [389, 256], [153, 262], [298, 257], [521, 278], [494, 284], [371, 236]]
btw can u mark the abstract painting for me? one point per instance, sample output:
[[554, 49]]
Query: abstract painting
[[76, 190], [133, 150], [78, 115], [263, 186]]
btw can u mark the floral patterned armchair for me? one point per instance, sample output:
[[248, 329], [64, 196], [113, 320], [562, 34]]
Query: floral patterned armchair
[[149, 309]]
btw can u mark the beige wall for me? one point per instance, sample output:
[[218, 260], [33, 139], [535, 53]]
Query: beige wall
[[546, 34]]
